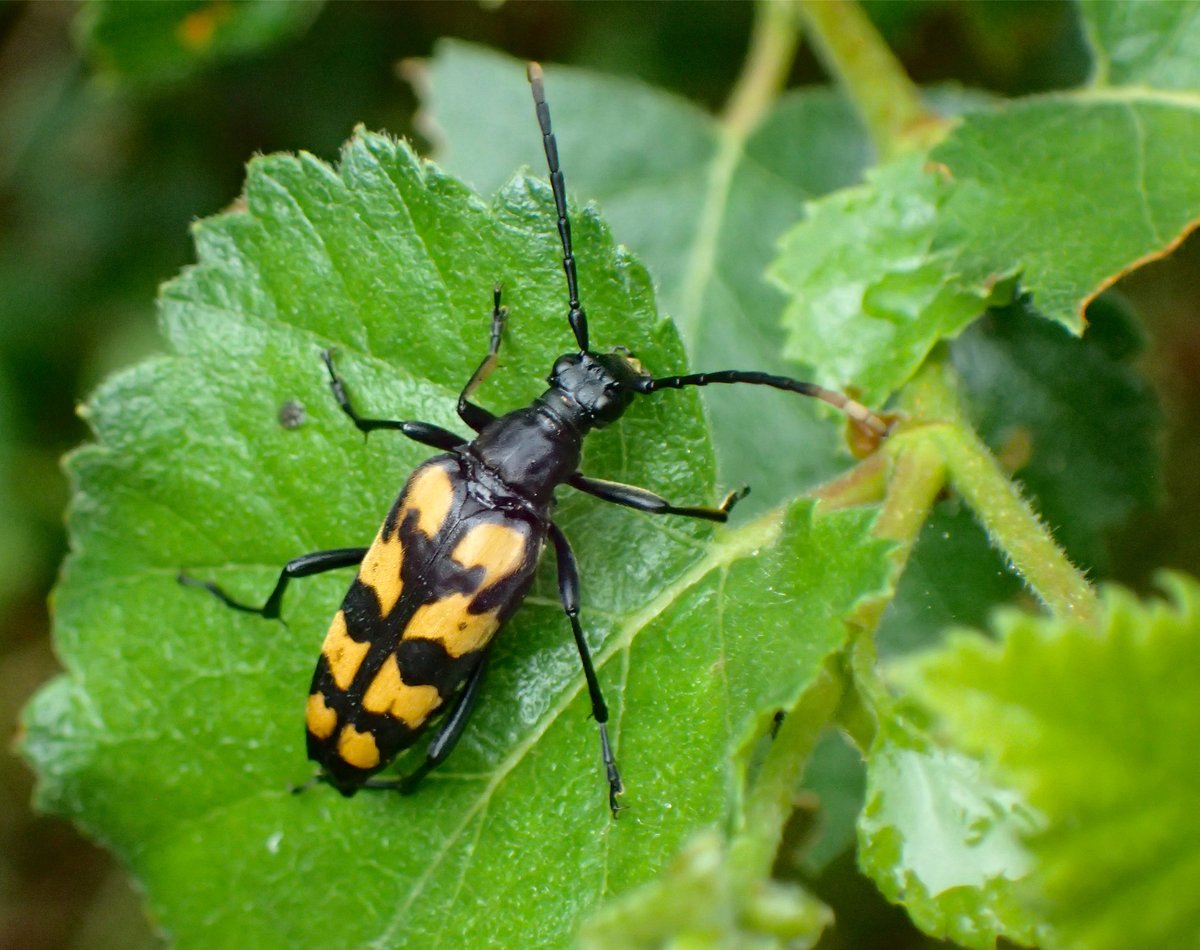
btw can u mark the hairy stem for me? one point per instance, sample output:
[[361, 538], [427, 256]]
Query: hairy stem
[[1010, 521]]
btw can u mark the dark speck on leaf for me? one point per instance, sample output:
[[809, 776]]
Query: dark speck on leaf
[[292, 414]]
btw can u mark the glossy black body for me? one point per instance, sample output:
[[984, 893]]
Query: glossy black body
[[534, 449]]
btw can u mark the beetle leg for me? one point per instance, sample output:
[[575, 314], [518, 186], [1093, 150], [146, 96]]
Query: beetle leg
[[568, 592], [644, 500], [476, 416], [424, 432], [447, 737], [318, 562]]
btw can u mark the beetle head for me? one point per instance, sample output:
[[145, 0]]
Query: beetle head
[[602, 385]]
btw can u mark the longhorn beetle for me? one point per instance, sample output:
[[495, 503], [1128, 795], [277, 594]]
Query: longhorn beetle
[[457, 552]]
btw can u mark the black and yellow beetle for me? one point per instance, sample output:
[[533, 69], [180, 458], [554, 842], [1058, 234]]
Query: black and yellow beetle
[[457, 552]]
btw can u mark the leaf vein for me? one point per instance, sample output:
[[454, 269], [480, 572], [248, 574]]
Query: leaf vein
[[1140, 159]]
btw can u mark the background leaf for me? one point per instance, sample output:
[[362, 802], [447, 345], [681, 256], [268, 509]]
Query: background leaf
[[144, 44], [952, 576], [1112, 777], [1094, 413], [871, 251], [1156, 44], [942, 840], [1027, 177], [932, 239]]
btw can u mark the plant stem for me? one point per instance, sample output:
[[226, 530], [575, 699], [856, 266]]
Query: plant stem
[[772, 798], [918, 476], [864, 484], [1014, 528], [855, 54], [1011, 523], [773, 41]]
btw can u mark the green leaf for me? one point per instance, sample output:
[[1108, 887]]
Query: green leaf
[[729, 892], [871, 251], [1027, 181], [149, 43], [1079, 421], [1068, 192], [835, 778], [953, 576], [647, 176], [1098, 728], [942, 840], [1134, 42], [695, 903], [176, 733], [707, 237], [921, 251]]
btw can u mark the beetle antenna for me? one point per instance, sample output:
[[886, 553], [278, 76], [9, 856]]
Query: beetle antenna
[[575, 315], [855, 410]]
